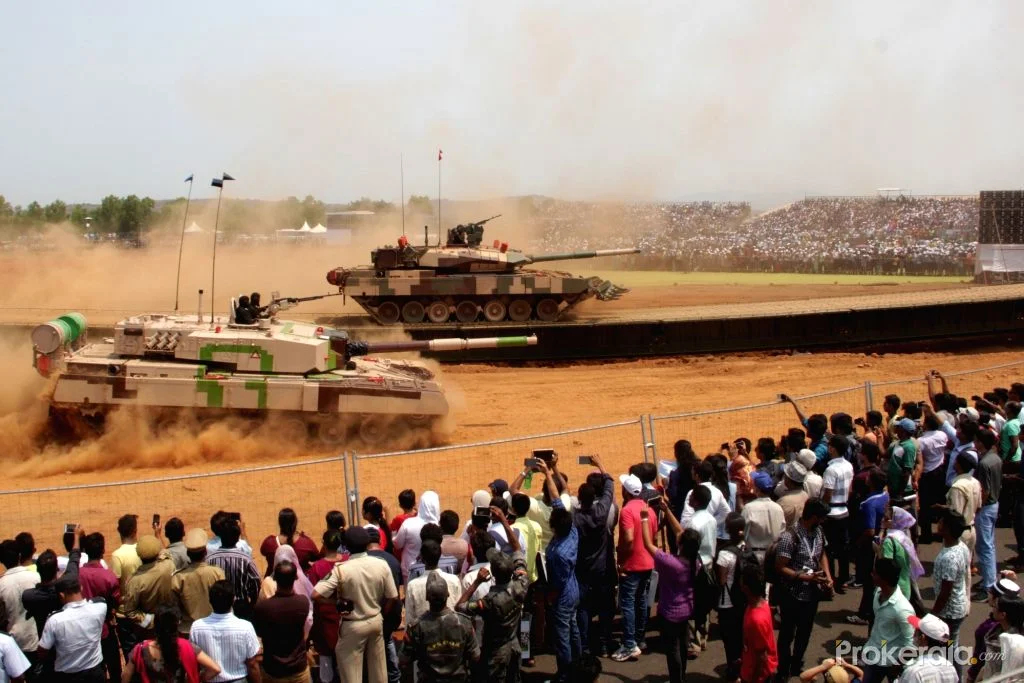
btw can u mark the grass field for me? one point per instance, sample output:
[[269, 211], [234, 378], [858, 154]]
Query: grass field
[[637, 278]]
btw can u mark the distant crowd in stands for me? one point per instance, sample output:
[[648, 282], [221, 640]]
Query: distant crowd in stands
[[759, 534], [862, 235]]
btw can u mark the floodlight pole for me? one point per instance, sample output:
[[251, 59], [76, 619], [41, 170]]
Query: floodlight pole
[[218, 183], [181, 244]]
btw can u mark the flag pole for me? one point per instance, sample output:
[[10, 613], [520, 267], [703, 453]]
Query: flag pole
[[440, 154], [181, 244], [218, 183], [401, 171]]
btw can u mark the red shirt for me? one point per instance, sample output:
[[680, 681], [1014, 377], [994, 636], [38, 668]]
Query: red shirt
[[639, 560], [98, 582], [395, 525], [326, 619], [305, 549], [758, 636]]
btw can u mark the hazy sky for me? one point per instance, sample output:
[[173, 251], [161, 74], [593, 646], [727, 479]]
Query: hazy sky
[[584, 99]]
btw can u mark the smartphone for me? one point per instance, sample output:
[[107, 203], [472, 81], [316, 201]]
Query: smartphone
[[586, 460], [237, 516], [156, 521], [482, 511], [531, 462], [70, 528], [545, 454]]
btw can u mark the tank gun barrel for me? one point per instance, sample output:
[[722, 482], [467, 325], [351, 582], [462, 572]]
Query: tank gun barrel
[[447, 344], [571, 255], [497, 215]]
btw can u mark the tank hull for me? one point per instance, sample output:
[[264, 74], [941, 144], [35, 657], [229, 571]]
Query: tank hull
[[414, 296]]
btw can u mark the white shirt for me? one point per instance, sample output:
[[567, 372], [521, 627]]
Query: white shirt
[[62, 562], [837, 479], [497, 532], [12, 660], [727, 560], [484, 588], [704, 524], [74, 632], [13, 583], [932, 447], [718, 507], [929, 668], [215, 544], [416, 604], [229, 641], [812, 484]]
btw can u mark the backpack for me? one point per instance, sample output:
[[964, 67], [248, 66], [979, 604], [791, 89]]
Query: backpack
[[744, 558]]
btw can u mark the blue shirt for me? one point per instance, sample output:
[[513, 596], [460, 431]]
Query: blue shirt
[[872, 510], [561, 563]]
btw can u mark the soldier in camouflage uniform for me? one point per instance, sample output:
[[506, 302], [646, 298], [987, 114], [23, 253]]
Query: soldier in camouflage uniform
[[501, 611], [442, 642]]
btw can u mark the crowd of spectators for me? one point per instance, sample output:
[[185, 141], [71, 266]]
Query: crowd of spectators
[[752, 538], [874, 235]]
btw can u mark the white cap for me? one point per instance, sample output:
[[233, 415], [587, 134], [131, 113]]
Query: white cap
[[931, 626], [631, 483], [807, 458]]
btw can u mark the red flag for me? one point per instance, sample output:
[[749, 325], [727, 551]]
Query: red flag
[[439, 154]]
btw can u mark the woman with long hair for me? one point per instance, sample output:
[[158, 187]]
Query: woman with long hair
[[304, 547], [373, 513], [675, 585], [168, 658]]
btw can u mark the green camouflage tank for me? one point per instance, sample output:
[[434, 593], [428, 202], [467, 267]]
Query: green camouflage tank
[[319, 383], [467, 281]]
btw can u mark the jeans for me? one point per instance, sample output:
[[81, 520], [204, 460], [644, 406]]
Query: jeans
[[931, 490], [677, 642], [838, 538], [567, 637], [730, 623], [985, 544], [954, 642], [794, 632], [391, 655], [1018, 522], [596, 599], [633, 604]]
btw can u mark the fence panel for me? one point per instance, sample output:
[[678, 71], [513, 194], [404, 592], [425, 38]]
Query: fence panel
[[964, 383], [310, 488], [455, 472], [707, 430]]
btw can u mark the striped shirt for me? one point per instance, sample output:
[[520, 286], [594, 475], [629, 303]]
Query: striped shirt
[[229, 641], [240, 570], [837, 478]]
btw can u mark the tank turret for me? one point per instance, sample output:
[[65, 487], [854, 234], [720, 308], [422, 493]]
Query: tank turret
[[468, 281]]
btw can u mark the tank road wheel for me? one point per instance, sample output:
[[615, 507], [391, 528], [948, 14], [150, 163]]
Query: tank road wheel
[[547, 310], [292, 430], [494, 311], [332, 431], [520, 310], [419, 420], [438, 312], [412, 312], [388, 312], [466, 311], [373, 430]]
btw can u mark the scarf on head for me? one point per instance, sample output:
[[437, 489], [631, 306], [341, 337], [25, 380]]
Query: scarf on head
[[901, 521]]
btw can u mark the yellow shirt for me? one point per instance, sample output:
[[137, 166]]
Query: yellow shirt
[[124, 562], [531, 535]]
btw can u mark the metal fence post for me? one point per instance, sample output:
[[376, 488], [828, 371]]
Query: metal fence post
[[643, 437], [353, 494], [344, 469], [653, 443], [869, 400]]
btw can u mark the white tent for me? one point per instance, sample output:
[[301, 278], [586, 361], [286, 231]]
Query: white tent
[[319, 229], [305, 227], [194, 228]]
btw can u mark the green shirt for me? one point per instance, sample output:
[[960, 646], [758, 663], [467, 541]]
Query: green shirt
[[898, 554], [1010, 429], [531, 535], [891, 631], [902, 458]]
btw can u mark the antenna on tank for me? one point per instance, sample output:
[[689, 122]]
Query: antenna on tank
[[218, 183], [181, 245]]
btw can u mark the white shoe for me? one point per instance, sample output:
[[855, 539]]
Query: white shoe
[[624, 655]]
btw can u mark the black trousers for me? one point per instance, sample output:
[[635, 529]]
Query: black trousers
[[865, 563], [676, 636], [111, 649], [931, 491], [794, 632], [730, 623], [838, 538], [96, 674]]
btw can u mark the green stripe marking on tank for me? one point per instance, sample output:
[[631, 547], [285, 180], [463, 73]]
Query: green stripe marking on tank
[[287, 328], [213, 390], [512, 341], [266, 358], [260, 387], [332, 359]]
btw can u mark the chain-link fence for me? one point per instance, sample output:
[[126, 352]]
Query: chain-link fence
[[707, 430], [311, 488], [455, 472], [964, 383]]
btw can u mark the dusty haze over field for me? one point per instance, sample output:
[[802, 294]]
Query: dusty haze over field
[[582, 99]]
